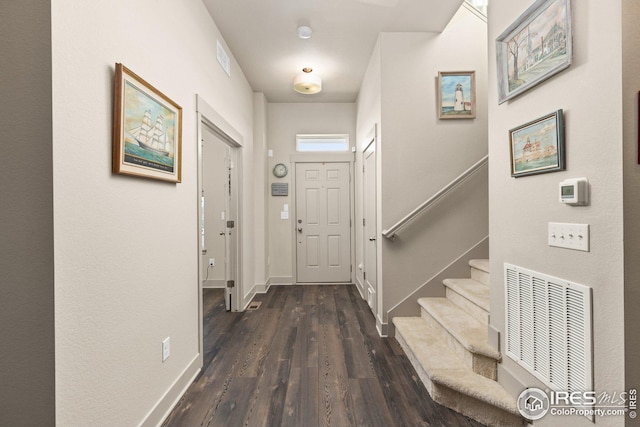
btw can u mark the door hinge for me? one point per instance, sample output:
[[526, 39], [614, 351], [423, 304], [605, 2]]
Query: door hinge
[[364, 274], [364, 222], [351, 268], [231, 224], [231, 283]]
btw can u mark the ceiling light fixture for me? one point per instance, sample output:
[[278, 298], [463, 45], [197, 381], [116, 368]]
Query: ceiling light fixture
[[304, 32], [307, 83]]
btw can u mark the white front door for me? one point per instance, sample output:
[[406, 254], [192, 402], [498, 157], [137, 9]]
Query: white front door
[[370, 233], [323, 223]]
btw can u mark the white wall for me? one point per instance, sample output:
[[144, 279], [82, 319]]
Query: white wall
[[419, 154], [285, 120], [126, 248], [27, 382], [590, 92]]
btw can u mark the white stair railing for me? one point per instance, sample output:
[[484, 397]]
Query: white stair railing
[[390, 233]]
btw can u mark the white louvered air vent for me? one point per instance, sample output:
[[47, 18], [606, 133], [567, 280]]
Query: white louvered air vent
[[549, 328]]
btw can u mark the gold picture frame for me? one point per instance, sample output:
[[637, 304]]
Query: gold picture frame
[[147, 130], [456, 95]]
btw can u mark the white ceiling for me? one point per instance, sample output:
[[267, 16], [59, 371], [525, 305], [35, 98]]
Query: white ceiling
[[262, 35]]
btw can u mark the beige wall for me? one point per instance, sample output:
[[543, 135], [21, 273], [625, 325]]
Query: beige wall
[[126, 249], [590, 92], [261, 192], [630, 85], [285, 120], [27, 383], [369, 117], [419, 154]]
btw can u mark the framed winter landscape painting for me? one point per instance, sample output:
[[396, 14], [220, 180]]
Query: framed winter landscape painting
[[456, 94], [147, 129], [538, 146], [535, 47]]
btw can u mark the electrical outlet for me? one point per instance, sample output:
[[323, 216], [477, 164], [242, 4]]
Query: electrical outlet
[[166, 348], [212, 262]]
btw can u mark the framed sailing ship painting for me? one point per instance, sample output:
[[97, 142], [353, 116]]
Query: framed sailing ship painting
[[147, 129]]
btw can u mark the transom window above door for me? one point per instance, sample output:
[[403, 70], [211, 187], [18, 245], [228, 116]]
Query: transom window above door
[[307, 143], [480, 5]]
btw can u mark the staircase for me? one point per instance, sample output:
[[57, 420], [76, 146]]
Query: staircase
[[448, 347]]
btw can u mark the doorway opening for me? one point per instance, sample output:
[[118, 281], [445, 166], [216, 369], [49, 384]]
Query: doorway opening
[[219, 208], [218, 214]]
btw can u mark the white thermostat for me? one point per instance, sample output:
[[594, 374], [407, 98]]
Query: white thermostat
[[574, 191]]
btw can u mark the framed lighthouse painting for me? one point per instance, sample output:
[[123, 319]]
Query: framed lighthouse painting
[[538, 146], [456, 94], [147, 129]]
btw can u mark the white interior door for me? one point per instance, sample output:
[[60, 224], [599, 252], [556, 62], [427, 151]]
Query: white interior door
[[230, 235], [370, 219], [323, 223], [218, 214]]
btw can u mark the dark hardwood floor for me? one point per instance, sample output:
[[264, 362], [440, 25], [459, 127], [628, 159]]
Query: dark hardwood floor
[[308, 356]]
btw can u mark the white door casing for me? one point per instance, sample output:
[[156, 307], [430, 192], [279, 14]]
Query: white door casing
[[323, 223], [369, 225]]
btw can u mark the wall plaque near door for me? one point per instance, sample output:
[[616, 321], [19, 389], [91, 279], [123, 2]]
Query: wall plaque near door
[[280, 189]]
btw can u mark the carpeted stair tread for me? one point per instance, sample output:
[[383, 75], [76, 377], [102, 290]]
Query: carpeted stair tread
[[480, 264], [468, 331], [445, 369], [472, 290]]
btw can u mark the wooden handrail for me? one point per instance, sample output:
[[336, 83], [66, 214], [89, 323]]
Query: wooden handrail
[[390, 233]]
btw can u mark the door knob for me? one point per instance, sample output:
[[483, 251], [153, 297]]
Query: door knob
[[372, 239], [300, 229], [222, 233]]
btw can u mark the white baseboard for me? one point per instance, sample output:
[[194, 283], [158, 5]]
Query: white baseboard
[[248, 298], [172, 396], [258, 288], [383, 328], [262, 288], [360, 287], [511, 382], [282, 280], [213, 284]]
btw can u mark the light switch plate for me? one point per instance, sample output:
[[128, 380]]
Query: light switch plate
[[569, 236], [166, 348]]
